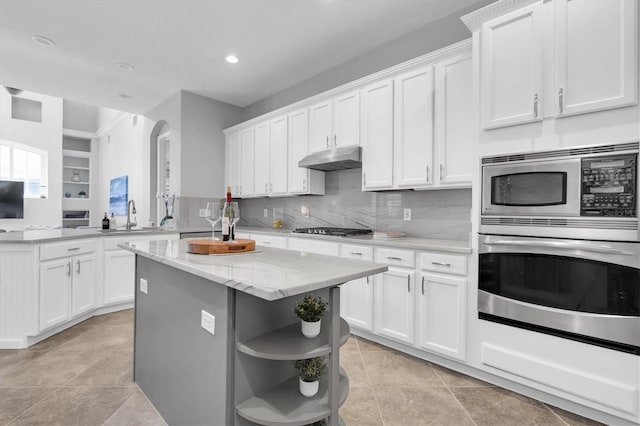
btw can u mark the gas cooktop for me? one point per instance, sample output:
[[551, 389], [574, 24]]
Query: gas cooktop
[[339, 232]]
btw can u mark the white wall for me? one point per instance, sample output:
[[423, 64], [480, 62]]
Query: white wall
[[46, 136], [79, 116]]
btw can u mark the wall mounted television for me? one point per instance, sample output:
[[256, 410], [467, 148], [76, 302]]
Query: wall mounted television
[[11, 199]]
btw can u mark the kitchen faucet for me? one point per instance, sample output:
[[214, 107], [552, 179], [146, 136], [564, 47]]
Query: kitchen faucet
[[131, 208]]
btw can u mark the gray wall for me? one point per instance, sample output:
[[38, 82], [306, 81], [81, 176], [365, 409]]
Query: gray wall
[[432, 37], [435, 214], [79, 116]]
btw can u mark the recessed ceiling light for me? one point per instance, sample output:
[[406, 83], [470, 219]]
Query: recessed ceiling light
[[123, 96], [43, 41], [125, 67], [232, 59]]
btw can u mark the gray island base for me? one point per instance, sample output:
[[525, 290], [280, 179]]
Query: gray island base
[[242, 373]]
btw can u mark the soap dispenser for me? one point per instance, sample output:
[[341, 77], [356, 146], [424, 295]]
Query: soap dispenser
[[112, 222], [105, 222]]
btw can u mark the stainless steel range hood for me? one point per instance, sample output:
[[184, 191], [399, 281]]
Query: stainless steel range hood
[[335, 159]]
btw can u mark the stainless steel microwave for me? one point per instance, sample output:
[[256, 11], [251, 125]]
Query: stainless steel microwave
[[564, 193]]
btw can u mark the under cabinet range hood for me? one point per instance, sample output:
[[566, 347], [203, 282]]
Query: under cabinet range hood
[[334, 159]]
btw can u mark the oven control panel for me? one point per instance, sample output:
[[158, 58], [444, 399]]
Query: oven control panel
[[609, 186]]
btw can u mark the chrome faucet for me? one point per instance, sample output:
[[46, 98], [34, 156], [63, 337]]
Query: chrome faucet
[[131, 208]]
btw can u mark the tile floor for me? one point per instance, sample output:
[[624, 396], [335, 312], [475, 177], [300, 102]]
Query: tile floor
[[83, 376]]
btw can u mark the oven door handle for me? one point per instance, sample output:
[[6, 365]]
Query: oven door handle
[[566, 245]]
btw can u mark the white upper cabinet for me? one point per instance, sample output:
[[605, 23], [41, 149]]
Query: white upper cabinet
[[262, 147], [511, 73], [277, 156], [454, 121], [596, 55], [301, 180], [377, 135], [413, 128], [247, 163], [335, 123], [233, 162]]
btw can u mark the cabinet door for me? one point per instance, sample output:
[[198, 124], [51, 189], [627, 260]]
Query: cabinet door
[[55, 287], [596, 55], [442, 315], [394, 305], [298, 177], [233, 162], [413, 139], [320, 126], [262, 152], [455, 132], [377, 132], [83, 285], [511, 70], [356, 306], [346, 120], [247, 162], [278, 156], [119, 276]]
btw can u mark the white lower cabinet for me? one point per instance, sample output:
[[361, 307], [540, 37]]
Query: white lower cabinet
[[83, 284], [272, 241], [119, 276], [55, 288], [356, 296], [394, 304], [442, 314]]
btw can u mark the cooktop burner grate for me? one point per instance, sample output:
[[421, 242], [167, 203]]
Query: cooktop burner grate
[[340, 232]]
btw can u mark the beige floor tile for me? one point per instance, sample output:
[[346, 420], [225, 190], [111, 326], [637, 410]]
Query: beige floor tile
[[420, 406], [60, 338], [115, 318], [71, 406], [103, 338], [572, 419], [114, 370], [14, 401], [496, 406], [368, 345], [453, 379], [136, 411], [55, 368], [361, 408], [13, 360], [386, 368], [349, 346], [351, 362]]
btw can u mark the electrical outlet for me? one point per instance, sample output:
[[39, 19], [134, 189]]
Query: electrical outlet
[[203, 213], [266, 213], [208, 322], [304, 210], [144, 286], [407, 214]]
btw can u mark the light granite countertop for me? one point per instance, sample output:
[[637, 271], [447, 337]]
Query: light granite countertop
[[53, 235], [410, 243], [267, 273]]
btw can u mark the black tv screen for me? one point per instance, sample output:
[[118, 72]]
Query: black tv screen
[[11, 199]]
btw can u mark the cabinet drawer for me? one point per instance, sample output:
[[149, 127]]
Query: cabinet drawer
[[67, 248], [350, 251], [396, 257], [447, 263], [270, 241], [313, 246]]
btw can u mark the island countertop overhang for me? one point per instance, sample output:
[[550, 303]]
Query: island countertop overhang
[[267, 273]]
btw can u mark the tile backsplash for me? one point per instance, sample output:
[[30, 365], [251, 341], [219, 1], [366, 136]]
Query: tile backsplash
[[434, 214]]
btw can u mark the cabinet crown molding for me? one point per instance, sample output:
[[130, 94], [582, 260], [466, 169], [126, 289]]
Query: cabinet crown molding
[[476, 18], [430, 58]]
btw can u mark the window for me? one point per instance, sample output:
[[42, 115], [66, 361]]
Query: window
[[27, 164]]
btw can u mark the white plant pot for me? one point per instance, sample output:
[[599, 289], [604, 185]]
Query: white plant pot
[[310, 329], [309, 389]]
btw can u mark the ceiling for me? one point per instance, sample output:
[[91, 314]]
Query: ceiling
[[181, 44]]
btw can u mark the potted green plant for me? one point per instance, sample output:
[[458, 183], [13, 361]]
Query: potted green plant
[[310, 371], [310, 311]]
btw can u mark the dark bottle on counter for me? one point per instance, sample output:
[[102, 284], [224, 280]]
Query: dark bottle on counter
[[226, 220], [105, 221]]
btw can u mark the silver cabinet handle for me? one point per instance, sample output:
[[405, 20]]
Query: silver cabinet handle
[[441, 264], [265, 187], [364, 179], [560, 99], [409, 283], [69, 268], [441, 172], [304, 184], [427, 174], [535, 105], [423, 285], [270, 186], [355, 253], [327, 142], [367, 279], [266, 243], [394, 258], [73, 249], [78, 267]]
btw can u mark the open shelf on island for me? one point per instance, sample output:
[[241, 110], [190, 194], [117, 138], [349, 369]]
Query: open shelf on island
[[288, 343], [285, 405]]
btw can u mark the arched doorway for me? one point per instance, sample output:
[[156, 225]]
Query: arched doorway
[[159, 166]]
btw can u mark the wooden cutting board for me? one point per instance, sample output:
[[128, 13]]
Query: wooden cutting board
[[210, 246]]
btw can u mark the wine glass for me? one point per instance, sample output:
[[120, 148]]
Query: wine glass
[[213, 216]]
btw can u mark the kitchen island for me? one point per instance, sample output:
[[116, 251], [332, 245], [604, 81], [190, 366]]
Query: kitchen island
[[236, 368]]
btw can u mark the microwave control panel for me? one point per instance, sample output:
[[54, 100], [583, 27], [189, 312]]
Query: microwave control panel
[[609, 186]]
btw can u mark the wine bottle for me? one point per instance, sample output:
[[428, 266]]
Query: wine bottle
[[105, 222], [226, 217]]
